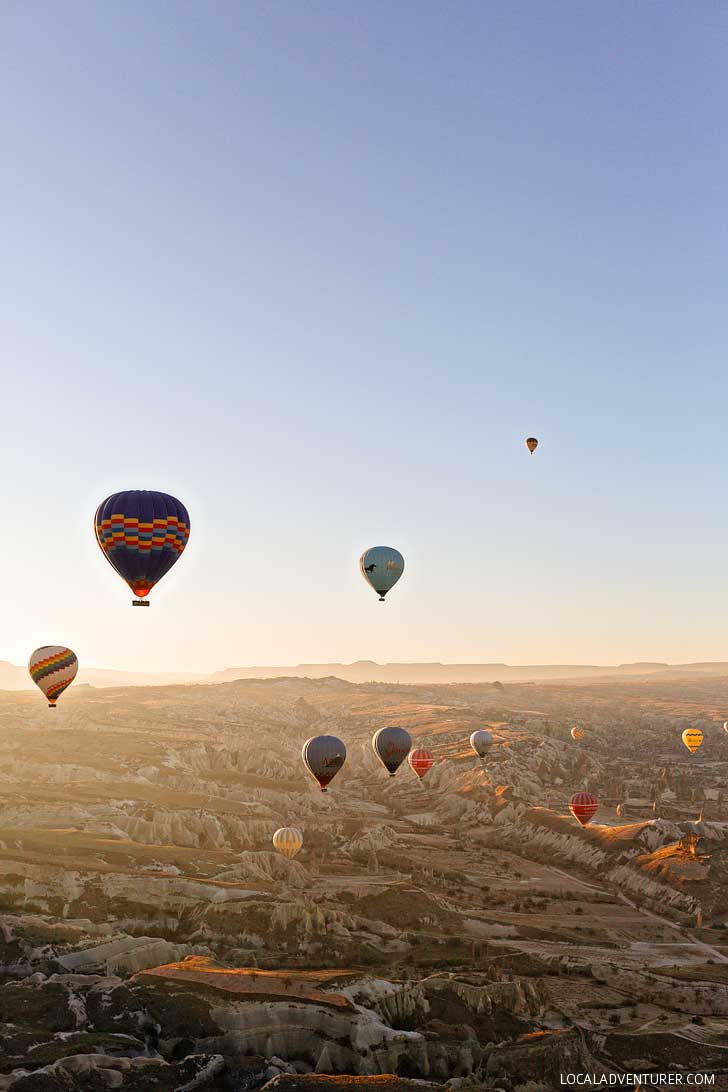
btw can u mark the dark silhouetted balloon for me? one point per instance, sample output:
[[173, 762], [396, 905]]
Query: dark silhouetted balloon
[[532, 444], [323, 757], [142, 533], [391, 746]]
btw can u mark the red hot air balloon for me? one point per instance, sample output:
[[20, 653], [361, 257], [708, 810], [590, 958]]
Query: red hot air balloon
[[421, 761], [583, 806]]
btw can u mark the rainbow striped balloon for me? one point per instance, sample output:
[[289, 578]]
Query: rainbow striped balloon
[[288, 841], [52, 668]]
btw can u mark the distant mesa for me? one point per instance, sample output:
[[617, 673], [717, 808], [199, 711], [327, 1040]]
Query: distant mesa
[[13, 677]]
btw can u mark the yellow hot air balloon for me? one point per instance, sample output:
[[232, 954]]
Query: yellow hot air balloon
[[577, 734], [692, 738], [532, 444], [288, 841]]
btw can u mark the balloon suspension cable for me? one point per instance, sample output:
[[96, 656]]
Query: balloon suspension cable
[[140, 602]]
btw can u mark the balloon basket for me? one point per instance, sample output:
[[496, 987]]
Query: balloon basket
[[140, 602]]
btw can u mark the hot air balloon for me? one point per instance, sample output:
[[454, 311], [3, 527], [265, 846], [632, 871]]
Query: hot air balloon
[[583, 806], [381, 566], [391, 746], [481, 741], [692, 738], [421, 761], [725, 726], [577, 734], [142, 533], [532, 444], [288, 841], [52, 668], [323, 757]]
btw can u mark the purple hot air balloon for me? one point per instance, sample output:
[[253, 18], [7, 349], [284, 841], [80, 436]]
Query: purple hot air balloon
[[142, 533]]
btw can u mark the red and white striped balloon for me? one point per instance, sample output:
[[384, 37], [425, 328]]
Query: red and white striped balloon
[[421, 761], [583, 806]]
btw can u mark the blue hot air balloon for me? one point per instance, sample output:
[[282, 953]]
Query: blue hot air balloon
[[391, 746], [323, 757], [142, 533], [381, 566]]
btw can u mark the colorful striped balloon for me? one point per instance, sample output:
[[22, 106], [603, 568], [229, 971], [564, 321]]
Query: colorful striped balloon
[[692, 738], [142, 533], [421, 761], [52, 668], [288, 841], [583, 806]]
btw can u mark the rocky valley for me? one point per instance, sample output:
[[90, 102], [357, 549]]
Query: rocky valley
[[462, 930]]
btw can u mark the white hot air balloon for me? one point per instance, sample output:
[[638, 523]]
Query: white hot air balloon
[[288, 841]]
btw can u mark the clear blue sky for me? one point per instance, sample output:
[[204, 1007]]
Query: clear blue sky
[[318, 269]]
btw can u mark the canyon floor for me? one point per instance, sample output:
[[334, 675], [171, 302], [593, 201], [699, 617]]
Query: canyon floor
[[461, 931]]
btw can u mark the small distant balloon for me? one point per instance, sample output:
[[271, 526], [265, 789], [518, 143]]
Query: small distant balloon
[[583, 806], [532, 444], [481, 741], [323, 757], [725, 726], [391, 746], [421, 761], [381, 567], [692, 738], [288, 841], [577, 734], [52, 668], [142, 533]]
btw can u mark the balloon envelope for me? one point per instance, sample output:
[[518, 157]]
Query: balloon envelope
[[692, 738], [532, 444], [323, 757], [391, 746], [288, 841], [577, 734], [381, 566], [142, 533], [52, 668], [725, 726], [481, 741], [583, 806], [421, 761]]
